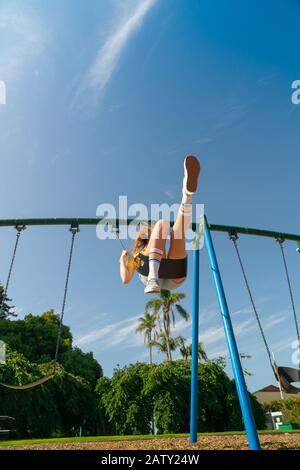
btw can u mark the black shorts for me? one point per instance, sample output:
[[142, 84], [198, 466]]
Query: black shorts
[[169, 268]]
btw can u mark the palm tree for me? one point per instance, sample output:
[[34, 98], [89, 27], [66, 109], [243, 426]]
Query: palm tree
[[165, 308], [186, 351], [147, 325], [183, 348], [201, 352], [166, 344], [246, 371]]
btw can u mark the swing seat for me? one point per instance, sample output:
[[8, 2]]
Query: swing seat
[[169, 268], [287, 375], [31, 385]]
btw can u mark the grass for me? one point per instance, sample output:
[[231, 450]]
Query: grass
[[124, 438]]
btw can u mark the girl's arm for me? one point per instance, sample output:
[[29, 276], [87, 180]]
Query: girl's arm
[[126, 269]]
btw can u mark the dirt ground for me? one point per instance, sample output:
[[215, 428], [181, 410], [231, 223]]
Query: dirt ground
[[268, 442]]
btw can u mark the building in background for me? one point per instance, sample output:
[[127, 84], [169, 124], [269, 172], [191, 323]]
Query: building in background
[[271, 393]]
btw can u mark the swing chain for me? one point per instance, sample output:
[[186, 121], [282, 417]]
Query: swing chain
[[19, 229], [74, 229], [234, 237], [287, 275]]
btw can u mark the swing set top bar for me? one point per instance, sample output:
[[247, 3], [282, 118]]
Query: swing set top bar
[[75, 222], [233, 230]]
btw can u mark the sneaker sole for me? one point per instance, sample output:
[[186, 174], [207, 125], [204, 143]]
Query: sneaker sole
[[152, 291], [192, 168]]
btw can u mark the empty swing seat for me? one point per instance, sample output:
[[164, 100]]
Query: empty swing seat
[[286, 376], [30, 385]]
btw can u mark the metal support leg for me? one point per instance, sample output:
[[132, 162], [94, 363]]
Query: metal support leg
[[195, 339], [239, 378]]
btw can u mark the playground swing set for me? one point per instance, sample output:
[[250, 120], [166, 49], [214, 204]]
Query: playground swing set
[[285, 376], [74, 230]]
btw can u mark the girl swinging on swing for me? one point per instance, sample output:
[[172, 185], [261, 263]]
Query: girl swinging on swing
[[156, 268]]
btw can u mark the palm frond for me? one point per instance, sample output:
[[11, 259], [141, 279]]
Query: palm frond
[[182, 312], [173, 316]]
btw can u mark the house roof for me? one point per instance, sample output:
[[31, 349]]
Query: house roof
[[268, 389]]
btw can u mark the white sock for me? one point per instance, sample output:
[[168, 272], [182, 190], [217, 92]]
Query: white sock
[[186, 209], [186, 198], [155, 256]]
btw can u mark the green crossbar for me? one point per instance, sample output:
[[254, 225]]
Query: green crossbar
[[75, 222]]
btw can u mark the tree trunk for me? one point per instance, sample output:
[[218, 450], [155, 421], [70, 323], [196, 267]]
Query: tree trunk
[[169, 356], [150, 339]]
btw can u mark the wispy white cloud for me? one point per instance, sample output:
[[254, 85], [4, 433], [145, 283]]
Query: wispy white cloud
[[267, 78], [122, 334], [93, 336], [61, 154], [169, 193], [218, 353], [242, 311], [283, 344], [233, 114], [23, 38], [182, 325], [212, 335], [110, 52], [111, 335], [274, 320], [203, 140], [18, 310]]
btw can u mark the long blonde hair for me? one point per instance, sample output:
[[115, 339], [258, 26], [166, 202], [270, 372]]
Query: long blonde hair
[[142, 239]]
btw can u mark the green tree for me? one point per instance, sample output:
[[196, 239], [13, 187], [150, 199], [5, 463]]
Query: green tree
[[82, 364], [59, 407], [202, 356], [166, 345], [165, 308], [140, 391], [125, 405], [289, 407], [168, 386], [35, 336], [6, 310], [147, 326], [62, 405], [102, 388], [186, 350]]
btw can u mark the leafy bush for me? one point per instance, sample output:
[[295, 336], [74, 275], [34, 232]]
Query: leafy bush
[[140, 392], [59, 407], [290, 409], [35, 337]]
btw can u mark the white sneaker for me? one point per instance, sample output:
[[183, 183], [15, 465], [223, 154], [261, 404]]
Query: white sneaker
[[191, 173], [152, 287]]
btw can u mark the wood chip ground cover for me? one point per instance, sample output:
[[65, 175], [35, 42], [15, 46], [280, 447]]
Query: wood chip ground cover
[[234, 442]]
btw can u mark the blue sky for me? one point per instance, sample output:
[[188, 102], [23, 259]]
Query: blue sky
[[105, 98]]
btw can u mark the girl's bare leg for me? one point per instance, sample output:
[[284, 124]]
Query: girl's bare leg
[[177, 243], [156, 250], [158, 237], [184, 218]]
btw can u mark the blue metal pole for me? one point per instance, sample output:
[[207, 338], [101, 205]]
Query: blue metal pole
[[195, 339], [239, 378]]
